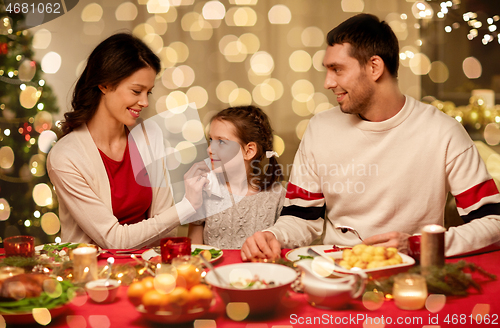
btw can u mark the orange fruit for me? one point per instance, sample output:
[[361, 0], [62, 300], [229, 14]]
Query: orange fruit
[[148, 282], [137, 290], [154, 301], [179, 296], [188, 275], [135, 293], [200, 295]]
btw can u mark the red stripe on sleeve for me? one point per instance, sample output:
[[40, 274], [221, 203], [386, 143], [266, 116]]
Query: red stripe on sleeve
[[293, 191], [475, 194]]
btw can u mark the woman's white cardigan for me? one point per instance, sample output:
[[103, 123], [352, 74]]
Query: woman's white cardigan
[[81, 183]]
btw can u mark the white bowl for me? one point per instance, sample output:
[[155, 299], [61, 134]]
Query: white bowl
[[260, 301]]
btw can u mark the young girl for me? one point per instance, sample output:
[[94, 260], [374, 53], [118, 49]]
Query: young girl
[[240, 139], [100, 200]]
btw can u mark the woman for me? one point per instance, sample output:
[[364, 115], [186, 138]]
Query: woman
[[102, 200]]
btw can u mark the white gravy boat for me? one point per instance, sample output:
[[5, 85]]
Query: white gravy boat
[[332, 293]]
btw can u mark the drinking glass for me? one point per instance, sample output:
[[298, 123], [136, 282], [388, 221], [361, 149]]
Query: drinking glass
[[173, 247], [414, 247], [19, 246]]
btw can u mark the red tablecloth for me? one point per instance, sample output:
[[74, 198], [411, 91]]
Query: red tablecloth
[[294, 311]]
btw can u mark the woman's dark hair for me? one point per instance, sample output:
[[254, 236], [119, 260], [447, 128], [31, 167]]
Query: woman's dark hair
[[252, 125], [113, 60], [368, 37]]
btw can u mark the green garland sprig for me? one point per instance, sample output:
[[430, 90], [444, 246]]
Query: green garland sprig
[[450, 279], [19, 261]]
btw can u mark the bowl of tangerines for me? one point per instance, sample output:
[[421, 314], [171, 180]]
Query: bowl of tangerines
[[174, 295]]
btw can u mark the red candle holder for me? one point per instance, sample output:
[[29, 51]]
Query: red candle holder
[[173, 247], [414, 247], [19, 246]]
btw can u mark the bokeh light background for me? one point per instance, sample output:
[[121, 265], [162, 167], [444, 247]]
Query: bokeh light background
[[226, 53]]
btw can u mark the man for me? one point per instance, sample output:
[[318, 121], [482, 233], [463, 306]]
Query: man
[[387, 167]]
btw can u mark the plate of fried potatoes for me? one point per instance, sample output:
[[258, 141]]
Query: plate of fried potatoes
[[368, 258]]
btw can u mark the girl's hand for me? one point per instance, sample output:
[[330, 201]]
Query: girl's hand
[[194, 181], [261, 245]]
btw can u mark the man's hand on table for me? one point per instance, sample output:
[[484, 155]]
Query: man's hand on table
[[261, 245], [395, 239]]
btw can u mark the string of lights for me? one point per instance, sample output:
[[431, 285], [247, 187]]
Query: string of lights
[[487, 30]]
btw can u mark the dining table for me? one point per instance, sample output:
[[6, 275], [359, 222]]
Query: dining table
[[477, 309]]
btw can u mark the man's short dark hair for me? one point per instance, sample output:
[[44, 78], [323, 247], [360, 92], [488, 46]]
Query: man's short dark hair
[[368, 37]]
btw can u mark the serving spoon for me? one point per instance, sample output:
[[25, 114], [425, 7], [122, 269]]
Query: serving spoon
[[209, 265], [335, 266], [346, 229]]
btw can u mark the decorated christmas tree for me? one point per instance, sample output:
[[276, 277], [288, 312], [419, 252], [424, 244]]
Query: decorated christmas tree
[[27, 202]]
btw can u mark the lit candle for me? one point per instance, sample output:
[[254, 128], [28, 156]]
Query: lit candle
[[172, 247], [432, 246], [84, 264], [19, 246], [409, 291]]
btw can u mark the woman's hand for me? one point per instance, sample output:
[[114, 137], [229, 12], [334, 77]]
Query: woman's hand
[[194, 181]]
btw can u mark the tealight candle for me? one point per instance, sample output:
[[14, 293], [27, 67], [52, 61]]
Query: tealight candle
[[409, 291], [172, 247], [19, 246], [84, 264], [432, 246]]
